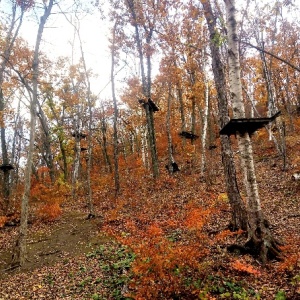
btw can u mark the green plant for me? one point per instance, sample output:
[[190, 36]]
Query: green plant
[[228, 289], [280, 295], [96, 297], [115, 262], [49, 279]]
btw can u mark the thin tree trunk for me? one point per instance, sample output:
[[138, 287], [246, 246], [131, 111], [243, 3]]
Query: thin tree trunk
[[20, 252], [168, 125], [90, 120], [144, 147], [8, 46], [146, 84], [5, 161], [104, 142], [238, 211], [272, 109], [15, 148], [76, 163], [115, 135], [259, 235], [48, 157], [205, 123], [181, 108]]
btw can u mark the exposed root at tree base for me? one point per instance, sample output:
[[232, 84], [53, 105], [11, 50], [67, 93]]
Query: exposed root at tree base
[[264, 250]]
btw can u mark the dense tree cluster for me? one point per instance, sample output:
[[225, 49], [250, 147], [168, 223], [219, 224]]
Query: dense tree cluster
[[176, 84]]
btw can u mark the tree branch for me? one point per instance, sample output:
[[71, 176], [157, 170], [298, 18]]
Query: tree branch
[[273, 55]]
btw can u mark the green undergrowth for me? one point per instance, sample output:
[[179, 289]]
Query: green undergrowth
[[115, 263], [226, 288]]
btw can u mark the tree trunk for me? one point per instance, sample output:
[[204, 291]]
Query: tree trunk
[[259, 235], [76, 163], [48, 156], [146, 83], [115, 134], [5, 161], [19, 256], [104, 141], [60, 136], [205, 123], [181, 109], [168, 125], [10, 38], [272, 109], [90, 120], [16, 146], [238, 210]]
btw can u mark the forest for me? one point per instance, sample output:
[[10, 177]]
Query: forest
[[181, 181]]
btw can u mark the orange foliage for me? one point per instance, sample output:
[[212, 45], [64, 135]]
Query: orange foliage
[[48, 200], [226, 233], [160, 265], [49, 212], [196, 218], [154, 230], [291, 258], [3, 220], [242, 266], [166, 251]]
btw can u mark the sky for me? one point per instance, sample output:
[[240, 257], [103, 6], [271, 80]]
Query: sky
[[58, 37]]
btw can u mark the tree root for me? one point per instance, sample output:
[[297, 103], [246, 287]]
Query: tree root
[[264, 250]]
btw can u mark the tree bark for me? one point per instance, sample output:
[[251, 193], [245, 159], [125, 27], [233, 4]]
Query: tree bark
[[104, 141], [205, 126], [259, 235], [238, 210], [146, 81], [272, 109], [19, 256], [48, 156], [9, 42], [115, 134], [168, 125]]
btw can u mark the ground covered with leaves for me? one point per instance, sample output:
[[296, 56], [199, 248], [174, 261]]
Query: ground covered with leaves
[[166, 239]]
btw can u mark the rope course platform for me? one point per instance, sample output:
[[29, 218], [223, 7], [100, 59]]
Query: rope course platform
[[188, 135], [6, 167], [244, 125], [152, 106]]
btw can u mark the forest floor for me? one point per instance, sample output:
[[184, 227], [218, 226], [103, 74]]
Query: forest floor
[[162, 240]]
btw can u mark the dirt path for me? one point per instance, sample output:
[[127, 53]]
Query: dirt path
[[72, 235]]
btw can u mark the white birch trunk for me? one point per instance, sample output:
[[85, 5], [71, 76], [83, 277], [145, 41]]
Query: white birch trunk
[[205, 126], [244, 141], [259, 235], [144, 146]]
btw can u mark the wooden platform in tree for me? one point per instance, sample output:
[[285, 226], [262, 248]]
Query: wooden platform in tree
[[244, 125], [175, 167], [188, 135], [6, 167], [81, 135], [152, 106]]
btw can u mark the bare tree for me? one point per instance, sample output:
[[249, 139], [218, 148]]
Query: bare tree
[[144, 51], [10, 38], [19, 256], [116, 113]]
